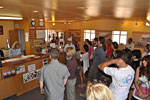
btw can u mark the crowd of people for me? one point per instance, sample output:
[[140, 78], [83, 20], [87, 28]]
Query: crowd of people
[[111, 72]]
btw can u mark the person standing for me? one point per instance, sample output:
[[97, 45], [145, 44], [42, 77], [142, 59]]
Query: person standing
[[115, 48], [122, 77], [15, 51], [90, 50], [142, 81], [98, 91], [85, 66], [147, 52], [72, 67], [109, 48], [69, 44], [98, 56], [53, 77], [130, 44]]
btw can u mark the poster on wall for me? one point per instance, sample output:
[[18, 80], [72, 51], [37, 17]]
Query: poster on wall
[[20, 69], [31, 68], [1, 30], [75, 34], [104, 34], [40, 34], [145, 38], [26, 37], [30, 76]]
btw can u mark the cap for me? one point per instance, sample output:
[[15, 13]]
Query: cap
[[69, 39]]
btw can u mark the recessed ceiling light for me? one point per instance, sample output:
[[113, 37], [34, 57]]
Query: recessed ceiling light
[[82, 8], [35, 11], [53, 24], [1, 7]]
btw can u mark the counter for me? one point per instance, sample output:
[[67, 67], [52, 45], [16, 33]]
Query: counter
[[19, 75]]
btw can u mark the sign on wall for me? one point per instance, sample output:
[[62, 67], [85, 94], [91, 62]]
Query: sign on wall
[[20, 69], [145, 38], [30, 76], [31, 68]]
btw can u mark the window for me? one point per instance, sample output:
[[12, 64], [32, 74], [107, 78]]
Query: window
[[119, 36], [49, 34], [89, 34], [46, 35]]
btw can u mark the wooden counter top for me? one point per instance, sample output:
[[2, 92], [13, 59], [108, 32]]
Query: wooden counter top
[[20, 60], [24, 59]]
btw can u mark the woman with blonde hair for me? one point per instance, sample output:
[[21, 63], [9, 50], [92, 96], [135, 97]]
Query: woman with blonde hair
[[72, 67], [98, 91]]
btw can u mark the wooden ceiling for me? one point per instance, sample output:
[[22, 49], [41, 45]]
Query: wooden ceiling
[[76, 10]]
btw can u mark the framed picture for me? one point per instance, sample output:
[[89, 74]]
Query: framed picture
[[1, 30]]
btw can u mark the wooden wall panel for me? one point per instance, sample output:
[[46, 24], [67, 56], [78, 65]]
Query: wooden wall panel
[[25, 87], [0, 74], [14, 84], [8, 87], [13, 36]]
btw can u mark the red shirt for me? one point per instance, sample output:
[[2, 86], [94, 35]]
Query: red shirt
[[109, 51], [90, 51]]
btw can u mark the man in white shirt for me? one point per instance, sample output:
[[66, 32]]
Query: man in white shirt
[[122, 77], [69, 44], [130, 44]]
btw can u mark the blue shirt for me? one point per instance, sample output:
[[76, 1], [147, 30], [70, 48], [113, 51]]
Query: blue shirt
[[14, 52]]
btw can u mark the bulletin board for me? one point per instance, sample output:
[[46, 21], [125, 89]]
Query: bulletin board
[[40, 34], [36, 32], [76, 33], [32, 32], [141, 38]]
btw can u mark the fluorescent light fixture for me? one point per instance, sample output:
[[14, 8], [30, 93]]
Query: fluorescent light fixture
[[53, 16], [124, 9], [11, 18], [93, 7]]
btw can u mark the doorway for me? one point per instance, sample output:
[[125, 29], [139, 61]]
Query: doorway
[[21, 38]]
